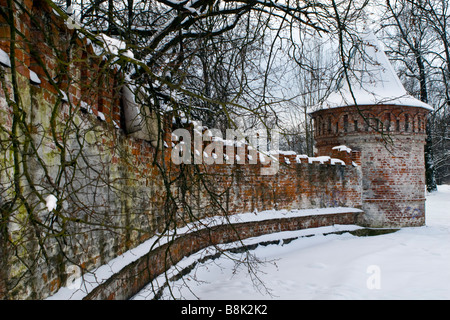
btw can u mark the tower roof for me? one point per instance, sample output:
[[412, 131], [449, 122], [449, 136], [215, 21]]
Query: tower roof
[[373, 80]]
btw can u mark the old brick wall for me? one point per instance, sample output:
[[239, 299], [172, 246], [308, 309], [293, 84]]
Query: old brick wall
[[66, 144], [63, 134], [297, 184], [131, 279]]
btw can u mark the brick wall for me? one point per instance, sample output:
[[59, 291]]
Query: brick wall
[[109, 183], [135, 276]]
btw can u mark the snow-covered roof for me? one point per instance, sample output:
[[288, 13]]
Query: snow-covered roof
[[373, 80]]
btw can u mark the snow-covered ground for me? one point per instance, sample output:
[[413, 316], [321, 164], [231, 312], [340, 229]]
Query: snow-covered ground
[[412, 263], [81, 286]]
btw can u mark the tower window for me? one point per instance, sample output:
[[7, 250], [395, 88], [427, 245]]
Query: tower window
[[388, 122]]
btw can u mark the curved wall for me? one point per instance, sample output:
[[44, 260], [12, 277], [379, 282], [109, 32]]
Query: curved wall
[[135, 276]]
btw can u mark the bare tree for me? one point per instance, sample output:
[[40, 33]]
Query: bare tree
[[195, 59], [417, 39]]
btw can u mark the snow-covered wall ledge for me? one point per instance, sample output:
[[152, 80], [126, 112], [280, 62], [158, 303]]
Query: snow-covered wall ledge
[[129, 280]]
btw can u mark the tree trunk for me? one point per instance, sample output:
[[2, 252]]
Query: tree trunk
[[430, 172], [430, 175], [3, 251]]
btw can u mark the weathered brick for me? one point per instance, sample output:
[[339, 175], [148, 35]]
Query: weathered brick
[[393, 169]]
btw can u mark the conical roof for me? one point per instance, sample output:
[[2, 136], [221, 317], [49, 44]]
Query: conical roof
[[373, 80]]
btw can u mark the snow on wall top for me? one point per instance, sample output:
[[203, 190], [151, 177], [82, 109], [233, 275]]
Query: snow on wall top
[[373, 80]]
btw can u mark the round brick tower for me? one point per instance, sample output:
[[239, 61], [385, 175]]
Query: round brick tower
[[378, 118]]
